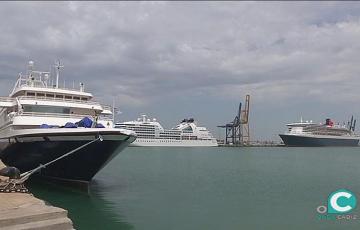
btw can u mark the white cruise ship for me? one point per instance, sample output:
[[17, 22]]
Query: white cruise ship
[[151, 133], [40, 122]]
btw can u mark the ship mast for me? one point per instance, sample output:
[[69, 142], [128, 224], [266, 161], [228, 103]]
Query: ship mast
[[57, 68]]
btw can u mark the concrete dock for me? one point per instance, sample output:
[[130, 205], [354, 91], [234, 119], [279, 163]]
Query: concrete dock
[[23, 211]]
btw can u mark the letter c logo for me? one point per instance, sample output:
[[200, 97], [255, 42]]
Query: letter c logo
[[341, 201]]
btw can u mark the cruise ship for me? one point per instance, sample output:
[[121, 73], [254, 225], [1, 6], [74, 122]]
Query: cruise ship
[[41, 122], [151, 133], [313, 134]]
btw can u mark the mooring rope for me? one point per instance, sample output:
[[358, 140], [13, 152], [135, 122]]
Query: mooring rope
[[17, 185]]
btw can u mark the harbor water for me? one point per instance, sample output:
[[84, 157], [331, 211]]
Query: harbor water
[[213, 188]]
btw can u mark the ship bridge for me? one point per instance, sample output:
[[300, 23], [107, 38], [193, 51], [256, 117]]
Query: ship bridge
[[40, 83]]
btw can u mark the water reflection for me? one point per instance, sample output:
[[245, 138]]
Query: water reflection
[[86, 210]]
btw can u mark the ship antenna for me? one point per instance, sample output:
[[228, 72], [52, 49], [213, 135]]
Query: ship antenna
[[113, 110], [351, 122], [353, 128], [57, 68], [30, 67]]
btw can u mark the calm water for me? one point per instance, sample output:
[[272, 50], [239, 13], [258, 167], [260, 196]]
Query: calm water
[[213, 188]]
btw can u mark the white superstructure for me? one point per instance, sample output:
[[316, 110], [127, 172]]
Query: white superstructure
[[34, 101], [151, 133], [308, 128]]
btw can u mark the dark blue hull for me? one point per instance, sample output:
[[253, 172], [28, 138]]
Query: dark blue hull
[[78, 167], [302, 141]]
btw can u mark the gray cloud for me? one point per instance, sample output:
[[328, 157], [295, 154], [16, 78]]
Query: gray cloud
[[145, 54]]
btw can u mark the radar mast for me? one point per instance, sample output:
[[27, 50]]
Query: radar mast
[[57, 68]]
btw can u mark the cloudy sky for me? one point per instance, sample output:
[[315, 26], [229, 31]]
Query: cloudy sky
[[173, 60]]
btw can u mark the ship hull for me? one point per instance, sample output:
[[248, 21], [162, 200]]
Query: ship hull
[[313, 141], [28, 152], [140, 142]]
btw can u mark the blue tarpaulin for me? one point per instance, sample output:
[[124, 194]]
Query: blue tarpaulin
[[70, 125], [85, 122], [45, 126]]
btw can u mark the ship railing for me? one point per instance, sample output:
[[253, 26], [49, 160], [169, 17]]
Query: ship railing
[[61, 115], [106, 117], [57, 115], [7, 99], [91, 102], [104, 107], [107, 107], [38, 82], [6, 102], [59, 100]]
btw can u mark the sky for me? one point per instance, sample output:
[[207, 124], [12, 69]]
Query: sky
[[175, 60]]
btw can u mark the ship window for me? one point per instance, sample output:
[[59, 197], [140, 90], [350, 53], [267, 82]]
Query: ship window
[[68, 97], [60, 96], [30, 94], [84, 99], [50, 95], [188, 129], [40, 94], [46, 109], [76, 98]]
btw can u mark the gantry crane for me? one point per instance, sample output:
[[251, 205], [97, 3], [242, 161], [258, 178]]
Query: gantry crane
[[237, 132]]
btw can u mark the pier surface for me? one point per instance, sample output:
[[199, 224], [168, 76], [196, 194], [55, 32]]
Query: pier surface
[[22, 211]]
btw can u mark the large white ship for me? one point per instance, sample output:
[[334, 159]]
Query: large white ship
[[313, 134], [151, 133], [40, 122]]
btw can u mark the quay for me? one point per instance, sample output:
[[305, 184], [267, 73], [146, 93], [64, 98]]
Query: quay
[[23, 211], [251, 144], [248, 146]]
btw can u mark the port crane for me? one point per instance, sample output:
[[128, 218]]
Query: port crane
[[237, 132]]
